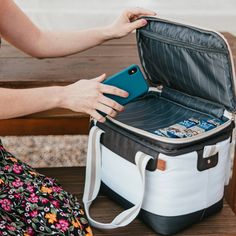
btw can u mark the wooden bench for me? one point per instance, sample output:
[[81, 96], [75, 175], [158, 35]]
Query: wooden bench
[[18, 70]]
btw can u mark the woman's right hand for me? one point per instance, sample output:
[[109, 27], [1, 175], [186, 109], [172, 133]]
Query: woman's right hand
[[87, 96]]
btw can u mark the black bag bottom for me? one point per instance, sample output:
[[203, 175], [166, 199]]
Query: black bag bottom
[[166, 225]]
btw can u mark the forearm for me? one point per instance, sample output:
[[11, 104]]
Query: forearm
[[17, 28], [82, 96], [20, 102], [56, 44]]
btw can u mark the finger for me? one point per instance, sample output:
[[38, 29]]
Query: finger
[[105, 109], [111, 103], [97, 116], [100, 78], [137, 24], [138, 11], [113, 90]]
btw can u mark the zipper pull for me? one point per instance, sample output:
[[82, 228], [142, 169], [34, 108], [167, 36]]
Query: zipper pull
[[229, 115]]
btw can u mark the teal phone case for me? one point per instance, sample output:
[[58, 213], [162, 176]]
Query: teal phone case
[[135, 84]]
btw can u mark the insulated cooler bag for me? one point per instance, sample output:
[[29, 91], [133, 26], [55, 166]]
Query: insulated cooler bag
[[169, 182]]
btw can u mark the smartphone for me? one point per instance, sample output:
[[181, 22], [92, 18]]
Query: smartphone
[[131, 80]]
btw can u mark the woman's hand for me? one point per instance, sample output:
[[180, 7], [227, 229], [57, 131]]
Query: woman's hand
[[83, 96], [127, 22], [87, 96]]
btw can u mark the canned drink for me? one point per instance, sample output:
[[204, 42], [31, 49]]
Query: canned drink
[[202, 127], [205, 125], [195, 130], [177, 130], [215, 122], [188, 128], [177, 133], [173, 132], [188, 123], [196, 121], [159, 133], [167, 134]]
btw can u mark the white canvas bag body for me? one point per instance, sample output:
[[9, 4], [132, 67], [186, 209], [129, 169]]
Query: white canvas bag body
[[170, 183]]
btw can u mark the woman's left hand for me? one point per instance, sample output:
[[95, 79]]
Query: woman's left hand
[[128, 21]]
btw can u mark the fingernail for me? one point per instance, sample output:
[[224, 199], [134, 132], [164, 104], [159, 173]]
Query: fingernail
[[144, 22]]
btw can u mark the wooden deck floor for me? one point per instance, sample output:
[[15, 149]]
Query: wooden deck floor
[[72, 179]]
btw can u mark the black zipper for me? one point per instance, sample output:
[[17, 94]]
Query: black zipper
[[175, 42], [157, 147], [171, 149]]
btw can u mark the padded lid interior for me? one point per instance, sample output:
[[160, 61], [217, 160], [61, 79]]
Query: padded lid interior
[[188, 59]]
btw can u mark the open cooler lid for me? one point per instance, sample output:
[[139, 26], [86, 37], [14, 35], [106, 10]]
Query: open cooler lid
[[195, 61]]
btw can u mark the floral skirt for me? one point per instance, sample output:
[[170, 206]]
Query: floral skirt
[[33, 204]]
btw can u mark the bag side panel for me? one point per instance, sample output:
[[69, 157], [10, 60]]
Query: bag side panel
[[171, 192], [163, 224]]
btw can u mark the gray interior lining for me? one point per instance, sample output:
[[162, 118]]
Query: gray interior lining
[[153, 112], [187, 59], [194, 103]]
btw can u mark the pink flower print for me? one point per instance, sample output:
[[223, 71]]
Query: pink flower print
[[17, 196], [27, 208], [62, 225], [66, 201], [2, 225], [33, 198], [55, 204], [46, 209], [7, 167], [56, 189], [6, 204], [44, 200], [50, 180], [30, 188], [63, 214], [30, 231], [23, 203], [11, 227], [33, 213], [17, 183], [17, 169], [11, 191]]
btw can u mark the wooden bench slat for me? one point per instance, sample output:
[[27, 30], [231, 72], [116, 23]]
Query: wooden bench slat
[[72, 179], [28, 72], [44, 126], [57, 112], [60, 69]]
